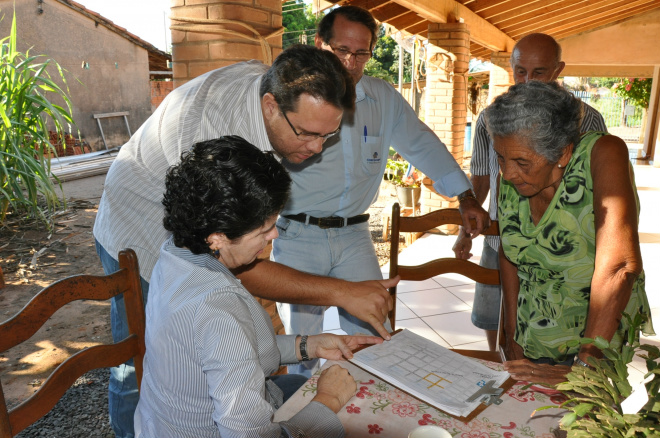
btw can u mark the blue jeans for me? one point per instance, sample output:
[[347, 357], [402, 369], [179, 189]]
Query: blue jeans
[[486, 306], [288, 383], [123, 392], [347, 253]]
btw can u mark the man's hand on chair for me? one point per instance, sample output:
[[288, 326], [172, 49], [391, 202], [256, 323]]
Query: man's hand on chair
[[470, 209], [369, 301]]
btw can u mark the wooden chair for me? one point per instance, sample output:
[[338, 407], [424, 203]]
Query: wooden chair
[[35, 313], [439, 266]]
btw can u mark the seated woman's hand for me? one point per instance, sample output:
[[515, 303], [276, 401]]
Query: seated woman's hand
[[334, 347], [335, 388], [526, 370]]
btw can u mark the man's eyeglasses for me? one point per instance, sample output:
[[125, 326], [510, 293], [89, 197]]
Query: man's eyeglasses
[[345, 55], [309, 137]]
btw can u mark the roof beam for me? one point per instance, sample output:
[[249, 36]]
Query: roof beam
[[575, 12], [442, 11], [607, 21], [580, 20]]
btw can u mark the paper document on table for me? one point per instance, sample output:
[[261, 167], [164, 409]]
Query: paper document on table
[[428, 371]]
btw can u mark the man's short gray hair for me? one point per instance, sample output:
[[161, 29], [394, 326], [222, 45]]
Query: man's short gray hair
[[546, 115]]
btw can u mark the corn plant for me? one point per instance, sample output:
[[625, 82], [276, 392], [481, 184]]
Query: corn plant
[[26, 112]]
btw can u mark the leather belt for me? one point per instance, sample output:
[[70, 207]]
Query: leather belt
[[328, 222]]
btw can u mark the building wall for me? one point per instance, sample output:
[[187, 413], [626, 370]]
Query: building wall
[[159, 91], [118, 75]]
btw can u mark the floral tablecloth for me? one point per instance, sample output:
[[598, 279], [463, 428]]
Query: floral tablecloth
[[379, 409]]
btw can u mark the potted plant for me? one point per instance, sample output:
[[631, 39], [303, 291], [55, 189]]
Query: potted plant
[[407, 181], [599, 398]]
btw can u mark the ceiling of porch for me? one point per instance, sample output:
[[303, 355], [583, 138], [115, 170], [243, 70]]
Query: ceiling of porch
[[495, 25]]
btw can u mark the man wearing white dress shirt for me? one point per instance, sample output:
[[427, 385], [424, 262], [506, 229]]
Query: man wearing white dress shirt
[[323, 229], [291, 108]]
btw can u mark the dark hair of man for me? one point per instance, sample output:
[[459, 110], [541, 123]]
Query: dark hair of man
[[307, 70], [226, 186], [351, 13]]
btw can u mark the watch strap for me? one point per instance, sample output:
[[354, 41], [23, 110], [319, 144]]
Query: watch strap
[[303, 347]]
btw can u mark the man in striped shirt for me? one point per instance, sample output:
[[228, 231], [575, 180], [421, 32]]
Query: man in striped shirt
[[535, 57], [272, 108]]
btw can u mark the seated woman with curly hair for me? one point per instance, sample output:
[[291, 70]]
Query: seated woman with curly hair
[[211, 347], [568, 210]]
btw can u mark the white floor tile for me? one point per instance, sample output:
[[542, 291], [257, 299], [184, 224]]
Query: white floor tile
[[403, 311], [433, 302], [456, 328], [479, 345], [464, 292], [418, 326], [448, 280], [410, 286]]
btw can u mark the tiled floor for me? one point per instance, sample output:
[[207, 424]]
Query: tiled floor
[[439, 309]]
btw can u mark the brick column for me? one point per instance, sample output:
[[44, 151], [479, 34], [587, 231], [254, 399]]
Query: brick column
[[446, 97], [501, 74], [197, 47]]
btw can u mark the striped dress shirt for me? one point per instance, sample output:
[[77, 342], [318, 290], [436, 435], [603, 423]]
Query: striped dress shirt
[[221, 102], [484, 159], [210, 347]]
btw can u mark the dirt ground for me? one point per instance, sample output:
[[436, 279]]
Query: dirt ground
[[31, 258]]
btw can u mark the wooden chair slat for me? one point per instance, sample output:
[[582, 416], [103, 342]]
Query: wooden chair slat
[[32, 317]]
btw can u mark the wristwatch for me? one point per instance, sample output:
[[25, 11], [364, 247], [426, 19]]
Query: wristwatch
[[303, 348], [468, 194], [580, 362]]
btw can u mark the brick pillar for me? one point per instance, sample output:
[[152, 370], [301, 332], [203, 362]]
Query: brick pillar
[[446, 97], [198, 47], [501, 74]]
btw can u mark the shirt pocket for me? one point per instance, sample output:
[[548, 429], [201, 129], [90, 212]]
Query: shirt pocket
[[372, 154]]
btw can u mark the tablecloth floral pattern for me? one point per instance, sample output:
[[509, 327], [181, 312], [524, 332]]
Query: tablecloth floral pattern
[[381, 410]]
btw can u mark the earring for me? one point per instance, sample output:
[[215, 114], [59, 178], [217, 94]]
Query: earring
[[216, 253], [559, 165]]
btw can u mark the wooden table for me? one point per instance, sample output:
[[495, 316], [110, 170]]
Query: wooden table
[[379, 409]]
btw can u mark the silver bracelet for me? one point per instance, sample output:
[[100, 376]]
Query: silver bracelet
[[303, 347]]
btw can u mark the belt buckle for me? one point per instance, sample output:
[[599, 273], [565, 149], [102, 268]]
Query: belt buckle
[[323, 224]]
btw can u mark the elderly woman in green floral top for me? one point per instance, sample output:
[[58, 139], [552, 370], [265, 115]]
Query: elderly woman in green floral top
[[568, 211]]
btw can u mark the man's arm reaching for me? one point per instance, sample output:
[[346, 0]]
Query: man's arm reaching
[[369, 301]]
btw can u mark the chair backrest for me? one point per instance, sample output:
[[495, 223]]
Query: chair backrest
[[35, 313], [411, 224]]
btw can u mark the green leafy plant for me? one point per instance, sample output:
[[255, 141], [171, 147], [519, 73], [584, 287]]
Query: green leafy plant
[[396, 172], [636, 91], [26, 112], [595, 395]]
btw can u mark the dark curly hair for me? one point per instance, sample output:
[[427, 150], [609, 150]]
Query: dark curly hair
[[307, 70], [226, 186]]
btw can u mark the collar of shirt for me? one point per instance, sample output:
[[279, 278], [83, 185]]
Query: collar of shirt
[[201, 260], [363, 89]]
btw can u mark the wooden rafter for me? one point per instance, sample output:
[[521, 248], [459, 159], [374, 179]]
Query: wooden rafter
[[573, 16], [442, 11], [495, 25]]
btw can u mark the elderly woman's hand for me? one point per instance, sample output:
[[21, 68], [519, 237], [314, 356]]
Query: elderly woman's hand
[[335, 388], [334, 347], [526, 370]]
